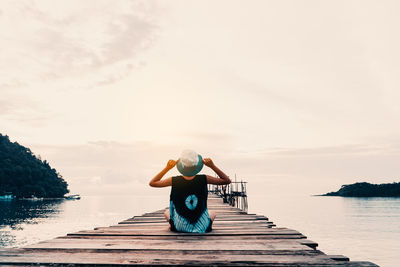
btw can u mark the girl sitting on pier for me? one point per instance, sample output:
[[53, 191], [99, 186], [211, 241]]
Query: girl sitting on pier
[[188, 199]]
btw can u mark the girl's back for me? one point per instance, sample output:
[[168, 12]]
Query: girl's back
[[188, 205]]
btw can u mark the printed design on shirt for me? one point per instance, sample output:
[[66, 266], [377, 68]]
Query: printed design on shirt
[[191, 202], [183, 225]]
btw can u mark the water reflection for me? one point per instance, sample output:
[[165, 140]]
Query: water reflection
[[372, 206], [16, 214], [23, 222]]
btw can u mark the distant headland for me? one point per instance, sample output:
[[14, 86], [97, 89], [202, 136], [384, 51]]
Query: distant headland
[[25, 175], [367, 190]]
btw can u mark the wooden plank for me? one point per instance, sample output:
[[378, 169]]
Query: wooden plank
[[156, 257], [166, 229], [228, 238], [257, 222], [213, 208], [168, 244], [217, 212], [215, 225], [218, 218], [233, 216], [270, 230], [164, 222], [169, 233], [215, 222], [339, 257], [166, 226], [144, 219], [309, 243]]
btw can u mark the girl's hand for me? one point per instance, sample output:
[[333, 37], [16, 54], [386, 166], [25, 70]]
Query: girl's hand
[[171, 163], [208, 162]]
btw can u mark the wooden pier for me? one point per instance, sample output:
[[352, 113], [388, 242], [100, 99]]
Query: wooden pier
[[237, 239]]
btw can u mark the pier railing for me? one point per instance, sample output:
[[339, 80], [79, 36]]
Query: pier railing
[[234, 193]]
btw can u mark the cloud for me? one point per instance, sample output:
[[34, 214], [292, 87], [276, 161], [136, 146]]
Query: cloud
[[116, 177], [99, 165], [352, 149], [72, 43], [110, 167], [21, 110], [207, 142], [106, 163], [5, 107]]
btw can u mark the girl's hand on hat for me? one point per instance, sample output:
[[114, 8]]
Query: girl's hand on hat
[[171, 163], [208, 162]]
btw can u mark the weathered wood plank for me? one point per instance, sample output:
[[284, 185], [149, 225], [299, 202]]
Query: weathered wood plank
[[163, 226], [215, 223], [229, 238], [218, 212], [339, 257], [165, 230], [171, 244], [232, 216], [220, 223], [157, 257], [230, 222], [309, 243], [218, 218], [157, 232]]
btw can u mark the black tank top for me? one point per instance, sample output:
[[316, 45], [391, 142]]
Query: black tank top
[[188, 204]]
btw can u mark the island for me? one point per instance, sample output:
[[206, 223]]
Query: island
[[365, 189], [25, 175]]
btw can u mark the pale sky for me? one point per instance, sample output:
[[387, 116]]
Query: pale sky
[[289, 95]]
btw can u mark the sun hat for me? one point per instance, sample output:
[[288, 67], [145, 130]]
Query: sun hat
[[190, 163]]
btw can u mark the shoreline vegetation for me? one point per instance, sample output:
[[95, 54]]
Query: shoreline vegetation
[[364, 189], [33, 198], [23, 175]]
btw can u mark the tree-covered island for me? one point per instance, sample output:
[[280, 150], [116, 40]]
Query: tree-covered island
[[367, 190], [24, 175]]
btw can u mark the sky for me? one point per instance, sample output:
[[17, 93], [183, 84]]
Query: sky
[[291, 96]]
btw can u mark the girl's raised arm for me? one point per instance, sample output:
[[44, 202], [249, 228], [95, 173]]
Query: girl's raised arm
[[157, 182], [224, 179]]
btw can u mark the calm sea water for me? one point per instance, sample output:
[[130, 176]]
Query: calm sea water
[[360, 228]]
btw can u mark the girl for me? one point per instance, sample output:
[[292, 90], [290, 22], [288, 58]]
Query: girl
[[188, 199]]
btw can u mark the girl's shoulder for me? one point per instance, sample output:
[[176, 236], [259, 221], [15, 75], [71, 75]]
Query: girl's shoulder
[[199, 178], [177, 178], [202, 178]]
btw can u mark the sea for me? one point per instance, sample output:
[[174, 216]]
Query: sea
[[366, 229]]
